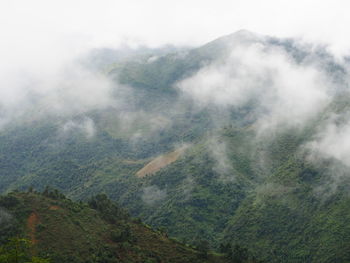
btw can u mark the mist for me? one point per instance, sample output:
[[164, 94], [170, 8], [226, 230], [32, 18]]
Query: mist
[[220, 121], [331, 142], [152, 195], [284, 85], [285, 93], [70, 91], [41, 43], [5, 217], [86, 126]]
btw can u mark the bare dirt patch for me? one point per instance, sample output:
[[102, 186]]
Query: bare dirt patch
[[54, 207], [160, 162], [32, 222]]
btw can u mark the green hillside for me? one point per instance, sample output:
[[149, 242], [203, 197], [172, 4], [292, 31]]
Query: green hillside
[[64, 231], [234, 184]]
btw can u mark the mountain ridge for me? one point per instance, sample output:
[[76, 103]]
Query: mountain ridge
[[250, 166]]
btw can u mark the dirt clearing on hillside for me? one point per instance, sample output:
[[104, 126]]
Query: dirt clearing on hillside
[[161, 161], [32, 222]]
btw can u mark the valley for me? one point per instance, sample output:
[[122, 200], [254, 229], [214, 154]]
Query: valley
[[234, 142]]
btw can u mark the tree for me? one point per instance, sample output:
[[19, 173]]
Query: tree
[[239, 254], [203, 248], [225, 249], [110, 210], [17, 251]]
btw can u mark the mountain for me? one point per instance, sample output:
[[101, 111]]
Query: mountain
[[64, 231], [238, 141]]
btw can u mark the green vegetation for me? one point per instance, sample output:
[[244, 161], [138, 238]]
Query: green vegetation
[[17, 251], [100, 231], [233, 190]]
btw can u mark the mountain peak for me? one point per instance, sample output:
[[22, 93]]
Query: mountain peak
[[224, 43], [243, 35]]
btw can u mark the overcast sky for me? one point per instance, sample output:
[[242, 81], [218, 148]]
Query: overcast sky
[[37, 26]]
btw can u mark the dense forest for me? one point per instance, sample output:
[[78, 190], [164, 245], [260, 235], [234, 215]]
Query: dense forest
[[48, 227], [252, 174]]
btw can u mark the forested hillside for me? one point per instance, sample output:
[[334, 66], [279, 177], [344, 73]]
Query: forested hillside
[[56, 229], [234, 142]]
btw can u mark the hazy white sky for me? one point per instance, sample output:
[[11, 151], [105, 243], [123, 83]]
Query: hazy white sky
[[52, 26]]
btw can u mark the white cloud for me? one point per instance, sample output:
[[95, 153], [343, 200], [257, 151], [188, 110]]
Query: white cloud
[[152, 194], [287, 93], [333, 141], [39, 38], [85, 126], [223, 165], [70, 89]]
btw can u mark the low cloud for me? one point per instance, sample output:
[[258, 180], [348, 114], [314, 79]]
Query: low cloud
[[152, 194], [332, 141], [284, 92], [85, 126], [223, 165], [141, 125], [187, 187], [72, 90], [5, 217]]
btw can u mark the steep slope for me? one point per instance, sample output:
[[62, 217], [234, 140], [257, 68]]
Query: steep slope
[[236, 183], [161, 162], [65, 231]]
